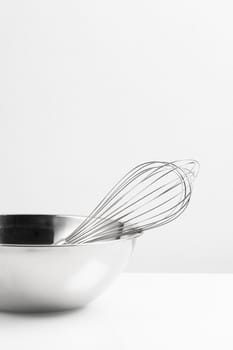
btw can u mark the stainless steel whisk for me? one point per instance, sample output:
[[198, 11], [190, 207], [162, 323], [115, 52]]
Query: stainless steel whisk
[[150, 195]]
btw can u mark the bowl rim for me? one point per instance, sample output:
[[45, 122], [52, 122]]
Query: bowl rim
[[111, 241]]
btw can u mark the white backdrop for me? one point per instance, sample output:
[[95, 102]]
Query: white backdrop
[[90, 88]]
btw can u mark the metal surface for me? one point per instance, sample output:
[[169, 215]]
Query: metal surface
[[150, 195], [46, 277]]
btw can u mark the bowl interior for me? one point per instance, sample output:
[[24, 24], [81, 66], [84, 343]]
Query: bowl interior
[[38, 229]]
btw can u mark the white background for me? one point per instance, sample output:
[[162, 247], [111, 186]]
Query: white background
[[88, 89], [152, 311]]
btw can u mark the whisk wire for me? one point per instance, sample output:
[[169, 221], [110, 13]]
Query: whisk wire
[[111, 215], [125, 209]]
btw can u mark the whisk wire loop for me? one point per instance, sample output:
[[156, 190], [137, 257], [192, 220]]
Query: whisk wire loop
[[148, 196]]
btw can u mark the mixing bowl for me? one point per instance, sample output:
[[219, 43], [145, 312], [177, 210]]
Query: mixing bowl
[[37, 275]]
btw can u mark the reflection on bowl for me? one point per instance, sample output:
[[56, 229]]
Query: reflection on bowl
[[40, 276]]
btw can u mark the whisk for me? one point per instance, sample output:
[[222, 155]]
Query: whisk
[[150, 195]]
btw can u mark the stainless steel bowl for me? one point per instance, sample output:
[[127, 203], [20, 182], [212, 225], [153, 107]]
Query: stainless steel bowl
[[37, 275]]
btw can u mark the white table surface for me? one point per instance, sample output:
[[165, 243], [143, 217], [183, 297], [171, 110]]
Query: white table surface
[[139, 311]]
